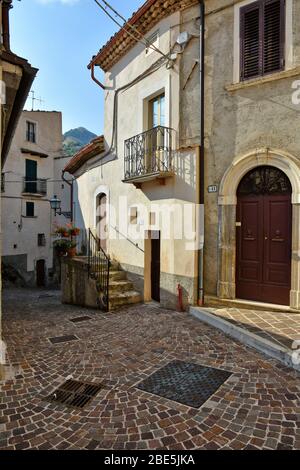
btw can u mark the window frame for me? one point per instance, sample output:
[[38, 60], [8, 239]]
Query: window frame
[[260, 5], [30, 132], [41, 240], [32, 205], [288, 48]]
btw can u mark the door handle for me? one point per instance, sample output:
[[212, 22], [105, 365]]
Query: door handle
[[266, 238]]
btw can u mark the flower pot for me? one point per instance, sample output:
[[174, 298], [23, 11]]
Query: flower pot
[[72, 252]]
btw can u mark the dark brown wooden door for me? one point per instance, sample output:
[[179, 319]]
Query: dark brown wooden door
[[40, 273], [155, 266], [264, 247]]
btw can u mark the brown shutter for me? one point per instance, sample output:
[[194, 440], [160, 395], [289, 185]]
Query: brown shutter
[[274, 35], [251, 41], [262, 38]]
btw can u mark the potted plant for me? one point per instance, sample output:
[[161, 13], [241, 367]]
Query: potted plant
[[73, 231], [61, 231], [71, 249], [61, 246]]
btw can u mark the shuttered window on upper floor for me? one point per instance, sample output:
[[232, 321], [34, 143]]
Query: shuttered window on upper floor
[[262, 35]]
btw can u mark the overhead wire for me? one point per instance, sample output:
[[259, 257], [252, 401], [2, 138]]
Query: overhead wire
[[126, 24]]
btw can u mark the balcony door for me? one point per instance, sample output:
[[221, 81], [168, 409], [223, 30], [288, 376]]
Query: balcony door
[[156, 138], [31, 176]]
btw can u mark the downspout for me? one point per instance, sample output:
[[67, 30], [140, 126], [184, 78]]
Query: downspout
[[71, 193], [6, 6], [95, 79], [201, 196]]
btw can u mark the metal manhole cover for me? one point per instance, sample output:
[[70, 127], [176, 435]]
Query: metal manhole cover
[[75, 394], [79, 319], [63, 339], [187, 383]]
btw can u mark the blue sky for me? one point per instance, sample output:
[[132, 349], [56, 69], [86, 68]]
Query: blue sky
[[59, 37]]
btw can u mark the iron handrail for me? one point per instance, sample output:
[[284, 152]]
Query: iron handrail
[[99, 268]]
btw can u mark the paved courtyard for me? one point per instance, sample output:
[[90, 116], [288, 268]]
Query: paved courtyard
[[258, 406]]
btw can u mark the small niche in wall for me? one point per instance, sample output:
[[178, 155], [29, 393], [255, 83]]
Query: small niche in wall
[[133, 215]]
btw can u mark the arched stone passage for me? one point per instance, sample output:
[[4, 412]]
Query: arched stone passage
[[240, 166]]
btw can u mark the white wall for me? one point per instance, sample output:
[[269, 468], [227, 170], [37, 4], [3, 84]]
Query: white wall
[[181, 188]]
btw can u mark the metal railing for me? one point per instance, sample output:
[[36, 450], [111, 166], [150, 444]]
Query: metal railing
[[36, 186], [98, 268], [149, 152]]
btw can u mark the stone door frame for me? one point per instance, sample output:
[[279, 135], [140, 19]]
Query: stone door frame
[[227, 203]]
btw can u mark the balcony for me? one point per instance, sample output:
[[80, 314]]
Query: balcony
[[37, 187], [148, 156]]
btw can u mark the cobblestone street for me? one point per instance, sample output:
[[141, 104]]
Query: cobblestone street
[[258, 407]]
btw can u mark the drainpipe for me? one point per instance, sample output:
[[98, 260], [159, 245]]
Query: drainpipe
[[94, 77], [6, 6], [71, 193], [202, 150]]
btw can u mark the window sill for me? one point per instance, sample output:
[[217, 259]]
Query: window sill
[[262, 80], [29, 216]]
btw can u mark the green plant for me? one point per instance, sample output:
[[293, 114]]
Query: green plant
[[63, 245]]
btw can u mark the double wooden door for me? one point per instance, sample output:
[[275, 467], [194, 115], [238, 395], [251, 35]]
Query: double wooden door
[[264, 246]]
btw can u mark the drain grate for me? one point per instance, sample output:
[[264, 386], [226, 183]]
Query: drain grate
[[79, 319], [63, 339], [186, 383], [75, 394]]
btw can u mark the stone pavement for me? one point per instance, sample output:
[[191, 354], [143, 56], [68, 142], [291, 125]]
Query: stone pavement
[[282, 328], [258, 407]]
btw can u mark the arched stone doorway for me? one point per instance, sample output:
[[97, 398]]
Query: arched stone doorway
[[228, 200]]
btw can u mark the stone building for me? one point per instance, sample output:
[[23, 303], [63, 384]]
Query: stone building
[[31, 176], [252, 142], [16, 78], [140, 194]]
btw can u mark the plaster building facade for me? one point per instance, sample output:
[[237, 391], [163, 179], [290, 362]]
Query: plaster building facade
[[140, 195], [31, 177], [252, 142], [16, 78]]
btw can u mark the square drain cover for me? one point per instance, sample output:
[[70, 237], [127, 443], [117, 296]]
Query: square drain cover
[[189, 384], [75, 394], [63, 339], [79, 319]]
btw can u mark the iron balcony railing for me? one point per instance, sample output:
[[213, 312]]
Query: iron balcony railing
[[149, 153], [98, 269], [34, 186]]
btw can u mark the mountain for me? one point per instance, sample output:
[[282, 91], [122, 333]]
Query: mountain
[[75, 139]]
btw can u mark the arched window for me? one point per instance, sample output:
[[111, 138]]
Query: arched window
[[264, 180]]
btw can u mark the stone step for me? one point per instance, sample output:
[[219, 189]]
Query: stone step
[[118, 287], [117, 275], [125, 298]]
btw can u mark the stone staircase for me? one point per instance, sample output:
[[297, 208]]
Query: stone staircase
[[121, 290]]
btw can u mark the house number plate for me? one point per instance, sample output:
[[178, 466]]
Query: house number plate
[[213, 189]]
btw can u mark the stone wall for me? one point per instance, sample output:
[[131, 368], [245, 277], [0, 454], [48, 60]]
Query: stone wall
[[77, 287]]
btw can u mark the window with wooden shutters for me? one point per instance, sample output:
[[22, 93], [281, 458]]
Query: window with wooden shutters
[[262, 38]]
